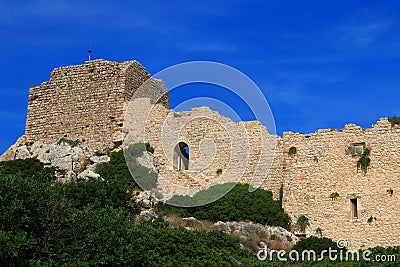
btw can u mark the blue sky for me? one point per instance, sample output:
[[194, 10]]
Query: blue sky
[[320, 64]]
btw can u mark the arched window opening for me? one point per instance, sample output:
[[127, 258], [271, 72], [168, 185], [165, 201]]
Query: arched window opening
[[181, 156]]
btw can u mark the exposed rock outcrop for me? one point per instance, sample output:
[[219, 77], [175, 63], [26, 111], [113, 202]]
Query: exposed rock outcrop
[[251, 235], [70, 162]]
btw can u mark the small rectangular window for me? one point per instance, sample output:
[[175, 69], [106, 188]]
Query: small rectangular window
[[354, 210], [358, 149]]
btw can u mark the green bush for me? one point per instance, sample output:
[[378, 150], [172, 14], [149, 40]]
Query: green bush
[[180, 247], [92, 236], [83, 223], [35, 211], [364, 161], [237, 205], [42, 225], [149, 148], [292, 151], [100, 193], [117, 169], [30, 168], [71, 143], [317, 244], [28, 212]]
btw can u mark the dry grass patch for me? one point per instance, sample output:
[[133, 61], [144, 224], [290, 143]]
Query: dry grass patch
[[252, 241]]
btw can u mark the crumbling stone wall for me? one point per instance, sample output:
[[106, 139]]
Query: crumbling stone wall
[[86, 101], [242, 151], [324, 164], [89, 101]]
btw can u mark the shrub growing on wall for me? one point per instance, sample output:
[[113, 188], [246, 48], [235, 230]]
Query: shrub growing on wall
[[292, 151], [364, 161], [302, 223], [149, 148], [394, 120]]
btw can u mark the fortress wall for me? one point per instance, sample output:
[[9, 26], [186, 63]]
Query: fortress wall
[[264, 168], [324, 164], [243, 151], [89, 101]]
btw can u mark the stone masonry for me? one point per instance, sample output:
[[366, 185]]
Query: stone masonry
[[324, 164], [93, 102], [242, 151], [85, 101]]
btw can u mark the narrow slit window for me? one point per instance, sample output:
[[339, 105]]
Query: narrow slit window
[[354, 208], [181, 156]]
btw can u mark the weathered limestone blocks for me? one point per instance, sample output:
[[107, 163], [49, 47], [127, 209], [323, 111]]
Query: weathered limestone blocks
[[325, 163], [11, 152], [87, 101], [221, 150], [69, 162]]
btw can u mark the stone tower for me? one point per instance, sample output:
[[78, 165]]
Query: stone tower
[[86, 101]]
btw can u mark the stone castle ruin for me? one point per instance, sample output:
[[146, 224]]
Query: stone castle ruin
[[315, 175]]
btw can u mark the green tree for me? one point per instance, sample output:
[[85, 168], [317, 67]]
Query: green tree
[[237, 205], [128, 172]]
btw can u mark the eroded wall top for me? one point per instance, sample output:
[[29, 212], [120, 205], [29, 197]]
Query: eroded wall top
[[86, 101]]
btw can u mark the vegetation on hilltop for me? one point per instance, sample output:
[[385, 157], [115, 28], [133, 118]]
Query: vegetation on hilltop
[[118, 171], [237, 205], [89, 223]]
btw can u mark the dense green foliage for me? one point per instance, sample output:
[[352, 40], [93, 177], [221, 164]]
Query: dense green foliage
[[89, 223], [100, 193], [82, 223], [42, 220], [180, 247], [237, 205], [119, 170], [317, 244], [31, 168]]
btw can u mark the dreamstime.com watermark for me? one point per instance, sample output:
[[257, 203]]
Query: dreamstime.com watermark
[[333, 254]]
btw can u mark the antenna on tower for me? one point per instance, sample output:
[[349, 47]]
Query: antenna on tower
[[89, 51]]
